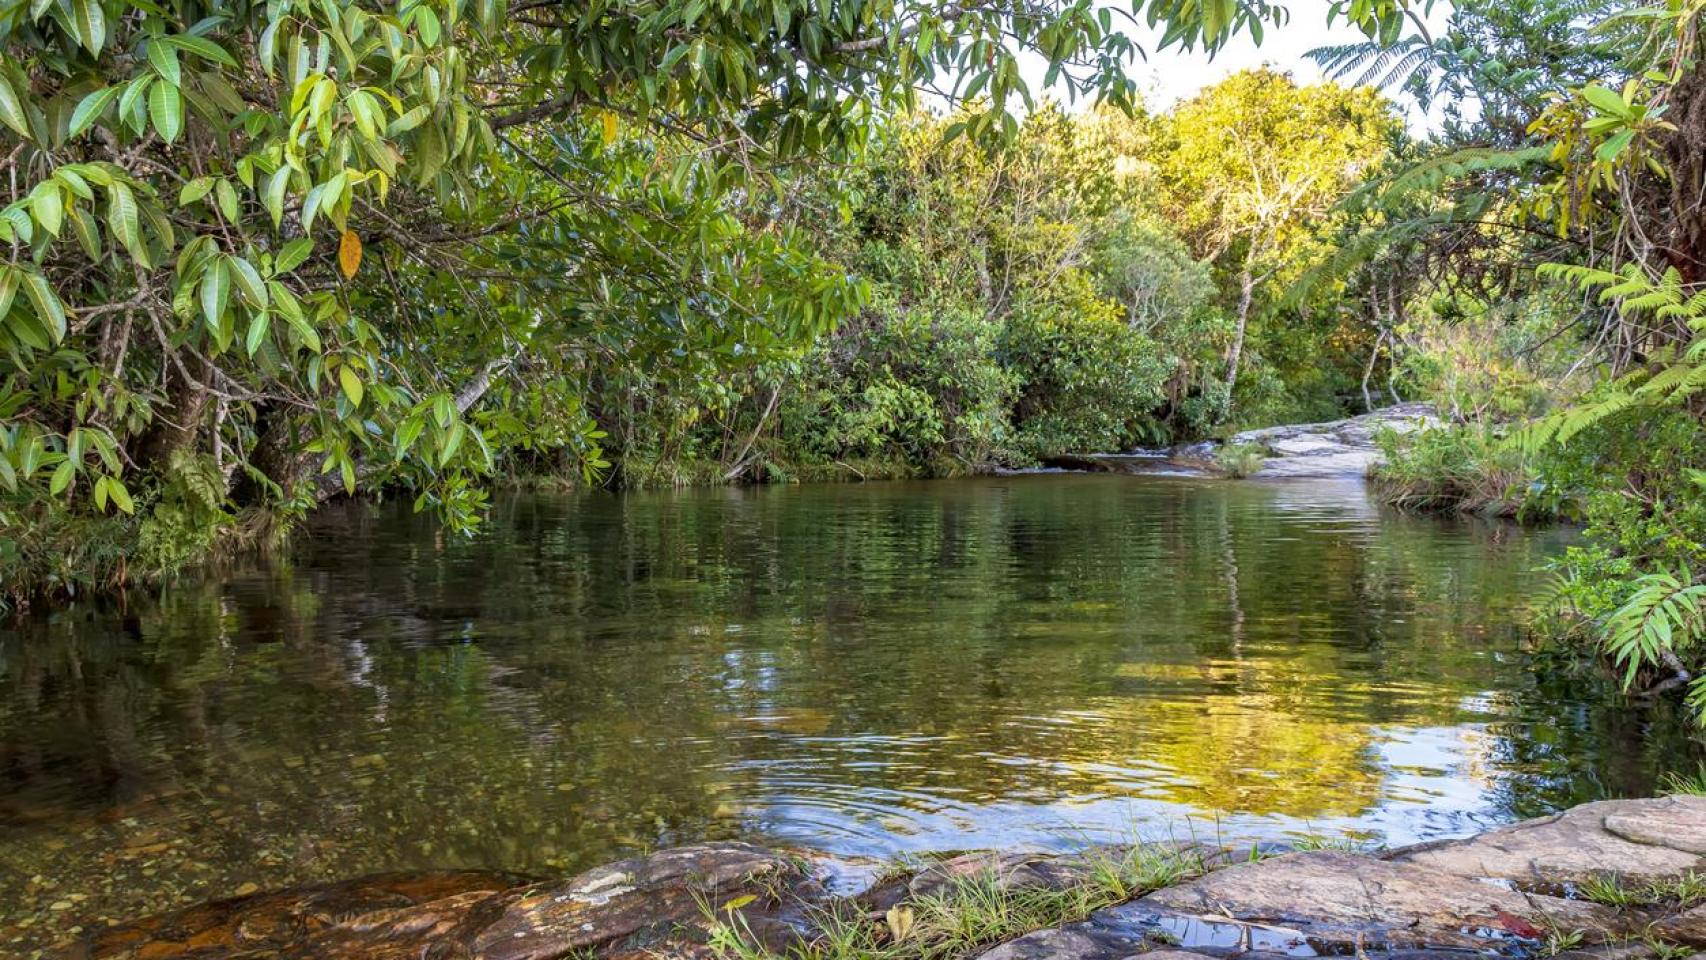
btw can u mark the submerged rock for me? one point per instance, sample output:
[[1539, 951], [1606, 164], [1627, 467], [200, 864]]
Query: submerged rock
[[270, 923], [658, 904]]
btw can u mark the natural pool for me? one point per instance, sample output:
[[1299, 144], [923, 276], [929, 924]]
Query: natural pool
[[870, 670]]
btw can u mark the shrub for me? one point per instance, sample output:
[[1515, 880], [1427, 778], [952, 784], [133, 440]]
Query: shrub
[[1468, 469]]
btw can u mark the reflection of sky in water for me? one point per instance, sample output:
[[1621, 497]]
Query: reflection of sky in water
[[1433, 784]]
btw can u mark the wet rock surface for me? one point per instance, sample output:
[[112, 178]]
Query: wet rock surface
[[1502, 893]]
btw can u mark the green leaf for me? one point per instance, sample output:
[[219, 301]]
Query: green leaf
[[88, 237], [12, 109], [351, 384], [165, 60], [215, 293], [166, 109], [133, 103], [291, 311], [201, 47], [48, 206], [89, 22], [258, 325], [452, 441], [248, 280], [47, 304], [122, 217], [427, 23], [120, 496], [276, 187], [90, 108], [194, 190], [61, 478], [1610, 149], [10, 277], [294, 254], [1604, 100], [226, 194]]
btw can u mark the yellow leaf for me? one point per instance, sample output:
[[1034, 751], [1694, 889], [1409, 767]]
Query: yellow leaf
[[351, 384], [349, 254], [900, 920], [608, 118], [739, 902]]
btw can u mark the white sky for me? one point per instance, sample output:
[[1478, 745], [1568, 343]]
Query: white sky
[[1170, 75]]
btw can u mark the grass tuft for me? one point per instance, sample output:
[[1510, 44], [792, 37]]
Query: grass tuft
[[969, 913]]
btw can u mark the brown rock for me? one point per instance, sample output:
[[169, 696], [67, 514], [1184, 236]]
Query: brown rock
[[1639, 840], [658, 903], [276, 921]]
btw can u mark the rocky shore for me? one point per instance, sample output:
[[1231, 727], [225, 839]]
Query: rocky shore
[[1617, 880], [1335, 449]]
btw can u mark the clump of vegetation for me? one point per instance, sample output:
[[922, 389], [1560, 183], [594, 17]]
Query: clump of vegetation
[[1614, 891], [1470, 469], [968, 913], [1240, 459]]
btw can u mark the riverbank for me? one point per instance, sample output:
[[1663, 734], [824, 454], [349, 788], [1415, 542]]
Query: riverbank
[[1619, 878]]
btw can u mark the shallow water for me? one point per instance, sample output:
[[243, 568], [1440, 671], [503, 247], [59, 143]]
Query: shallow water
[[868, 670]]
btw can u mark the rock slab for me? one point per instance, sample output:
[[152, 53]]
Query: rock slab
[[1635, 840], [1339, 448]]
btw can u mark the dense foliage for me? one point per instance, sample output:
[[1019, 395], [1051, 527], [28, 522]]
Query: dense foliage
[[262, 255]]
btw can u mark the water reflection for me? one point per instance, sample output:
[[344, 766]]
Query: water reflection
[[869, 670]]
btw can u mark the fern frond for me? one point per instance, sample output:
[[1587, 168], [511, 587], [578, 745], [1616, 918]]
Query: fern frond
[[1664, 614]]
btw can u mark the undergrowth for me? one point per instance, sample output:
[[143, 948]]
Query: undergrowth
[[967, 914], [1466, 469]]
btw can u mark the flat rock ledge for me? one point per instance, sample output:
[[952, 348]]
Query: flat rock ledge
[[1517, 891], [1337, 449]]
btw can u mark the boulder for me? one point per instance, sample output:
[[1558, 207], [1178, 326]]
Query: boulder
[[1637, 840]]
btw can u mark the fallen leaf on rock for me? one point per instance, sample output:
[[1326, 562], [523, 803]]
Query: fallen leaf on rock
[[1517, 926]]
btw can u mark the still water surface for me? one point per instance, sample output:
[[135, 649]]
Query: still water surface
[[868, 670]]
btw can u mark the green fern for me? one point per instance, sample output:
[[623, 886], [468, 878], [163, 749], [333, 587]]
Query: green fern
[[1666, 382], [1663, 615], [199, 478]]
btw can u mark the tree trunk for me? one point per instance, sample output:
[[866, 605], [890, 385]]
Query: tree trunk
[[1685, 151], [1246, 291], [1368, 372]]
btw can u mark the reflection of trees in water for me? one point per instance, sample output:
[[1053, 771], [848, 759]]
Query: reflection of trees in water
[[601, 673]]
